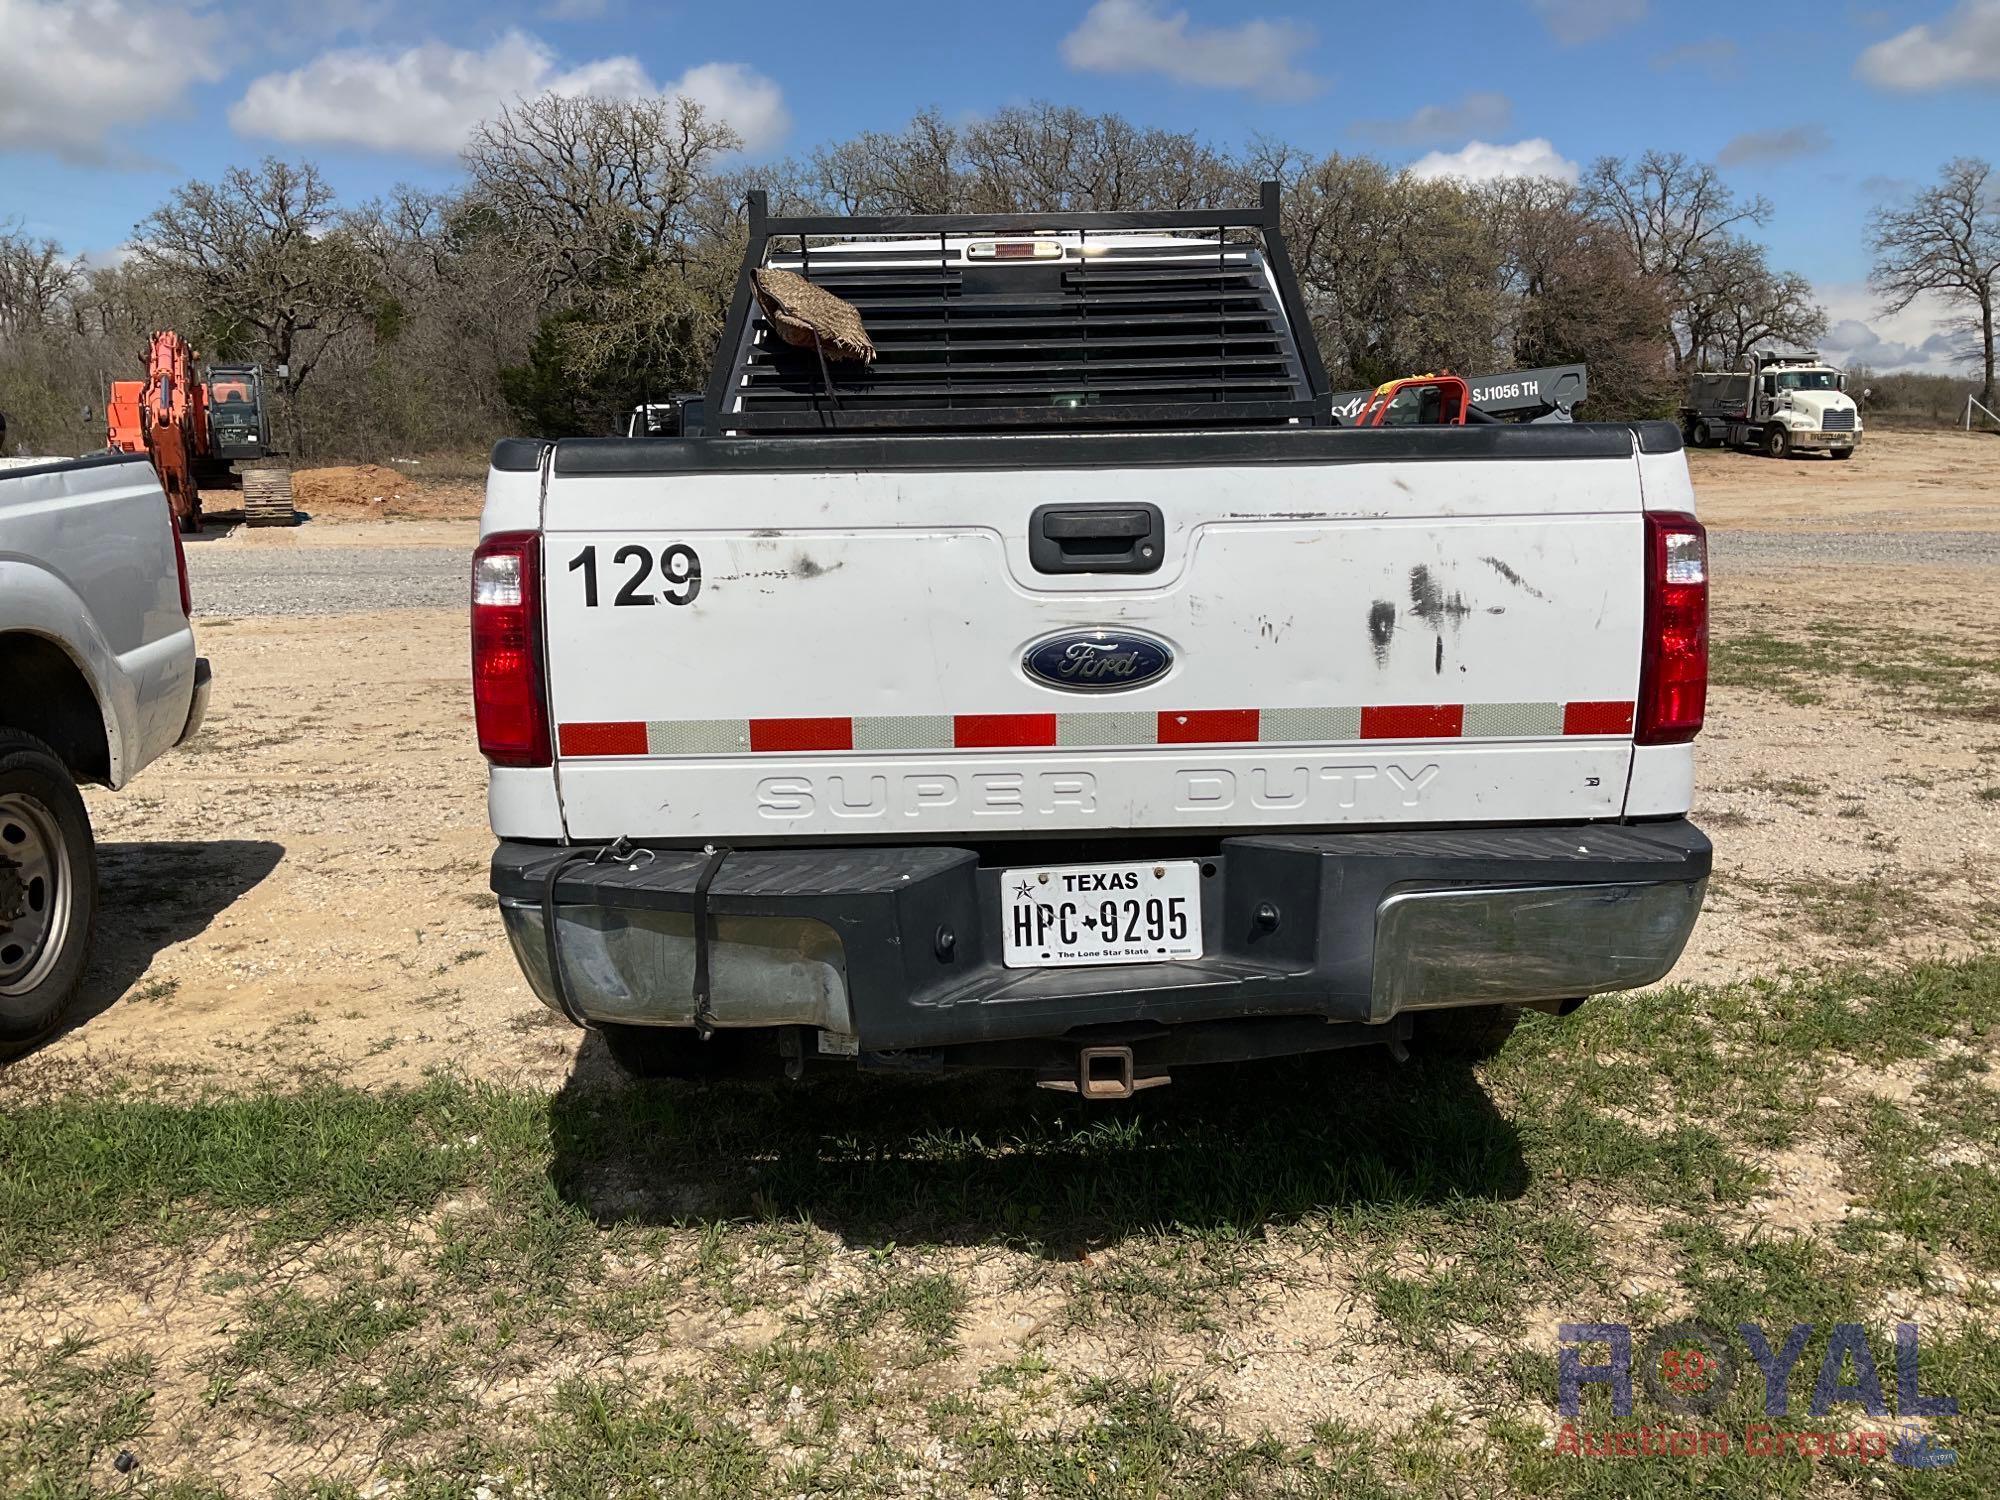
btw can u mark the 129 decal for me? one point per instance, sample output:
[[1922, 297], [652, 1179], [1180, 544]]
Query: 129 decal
[[679, 568]]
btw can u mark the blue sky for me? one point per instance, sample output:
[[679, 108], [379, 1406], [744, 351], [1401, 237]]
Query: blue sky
[[107, 104]]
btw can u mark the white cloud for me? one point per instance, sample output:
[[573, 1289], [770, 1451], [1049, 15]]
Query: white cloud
[[741, 95], [1759, 147], [427, 99], [1571, 21], [1480, 162], [1859, 333], [108, 260], [1134, 36], [1962, 47], [1475, 114], [74, 76]]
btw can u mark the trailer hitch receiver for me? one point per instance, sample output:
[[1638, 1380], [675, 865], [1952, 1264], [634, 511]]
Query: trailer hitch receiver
[[1105, 1073]]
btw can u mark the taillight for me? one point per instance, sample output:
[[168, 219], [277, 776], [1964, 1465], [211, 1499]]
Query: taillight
[[180, 562], [508, 703], [1673, 666]]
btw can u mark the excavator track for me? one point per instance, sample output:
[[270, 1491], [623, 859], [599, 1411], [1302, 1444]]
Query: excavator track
[[267, 498]]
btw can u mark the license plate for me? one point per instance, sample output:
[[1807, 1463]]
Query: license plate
[[1064, 915]]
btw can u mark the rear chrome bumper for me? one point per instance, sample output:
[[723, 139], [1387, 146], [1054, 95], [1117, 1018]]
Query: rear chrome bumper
[[1512, 945], [885, 949]]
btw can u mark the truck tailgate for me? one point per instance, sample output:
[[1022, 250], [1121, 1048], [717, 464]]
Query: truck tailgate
[[738, 654]]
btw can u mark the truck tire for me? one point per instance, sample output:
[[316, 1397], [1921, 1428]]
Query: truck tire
[[48, 891], [1777, 441], [1472, 1033], [676, 1051], [1704, 436]]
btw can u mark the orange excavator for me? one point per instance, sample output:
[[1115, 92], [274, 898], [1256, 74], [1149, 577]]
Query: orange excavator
[[209, 430]]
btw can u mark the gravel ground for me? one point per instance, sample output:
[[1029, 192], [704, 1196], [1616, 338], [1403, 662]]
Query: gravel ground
[[240, 581], [1962, 549]]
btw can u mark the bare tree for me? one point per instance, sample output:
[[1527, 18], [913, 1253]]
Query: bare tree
[[585, 185], [608, 206], [586, 262], [38, 282], [127, 303], [1672, 212], [1056, 158], [1575, 293], [453, 312], [1735, 302], [66, 330], [919, 170], [262, 255], [1399, 274], [1947, 242]]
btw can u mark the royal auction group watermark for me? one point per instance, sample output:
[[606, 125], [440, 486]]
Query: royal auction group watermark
[[1690, 1370]]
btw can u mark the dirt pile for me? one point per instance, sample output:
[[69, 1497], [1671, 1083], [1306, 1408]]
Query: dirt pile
[[365, 491]]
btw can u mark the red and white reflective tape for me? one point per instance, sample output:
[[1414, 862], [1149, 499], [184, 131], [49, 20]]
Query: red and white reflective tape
[[1114, 730]]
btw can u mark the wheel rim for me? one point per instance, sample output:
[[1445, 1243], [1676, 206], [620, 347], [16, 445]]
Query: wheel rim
[[34, 892]]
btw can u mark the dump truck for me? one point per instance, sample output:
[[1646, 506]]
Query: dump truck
[[1778, 404], [1065, 689]]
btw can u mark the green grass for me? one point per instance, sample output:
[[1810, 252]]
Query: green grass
[[1141, 1438], [1906, 665], [79, 1410], [1750, 1060], [1865, 910], [394, 1257], [164, 987], [1186, 1283], [1926, 1186], [80, 1173], [601, 1440]]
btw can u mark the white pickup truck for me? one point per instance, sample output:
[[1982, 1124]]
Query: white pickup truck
[[1065, 690], [98, 677]]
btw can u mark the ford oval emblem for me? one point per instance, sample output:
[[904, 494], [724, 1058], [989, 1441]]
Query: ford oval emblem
[[1097, 661]]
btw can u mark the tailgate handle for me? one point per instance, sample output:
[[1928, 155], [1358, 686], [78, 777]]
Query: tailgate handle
[[1096, 538]]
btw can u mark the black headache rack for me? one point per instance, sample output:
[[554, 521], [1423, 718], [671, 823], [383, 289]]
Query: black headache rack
[[1144, 321]]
